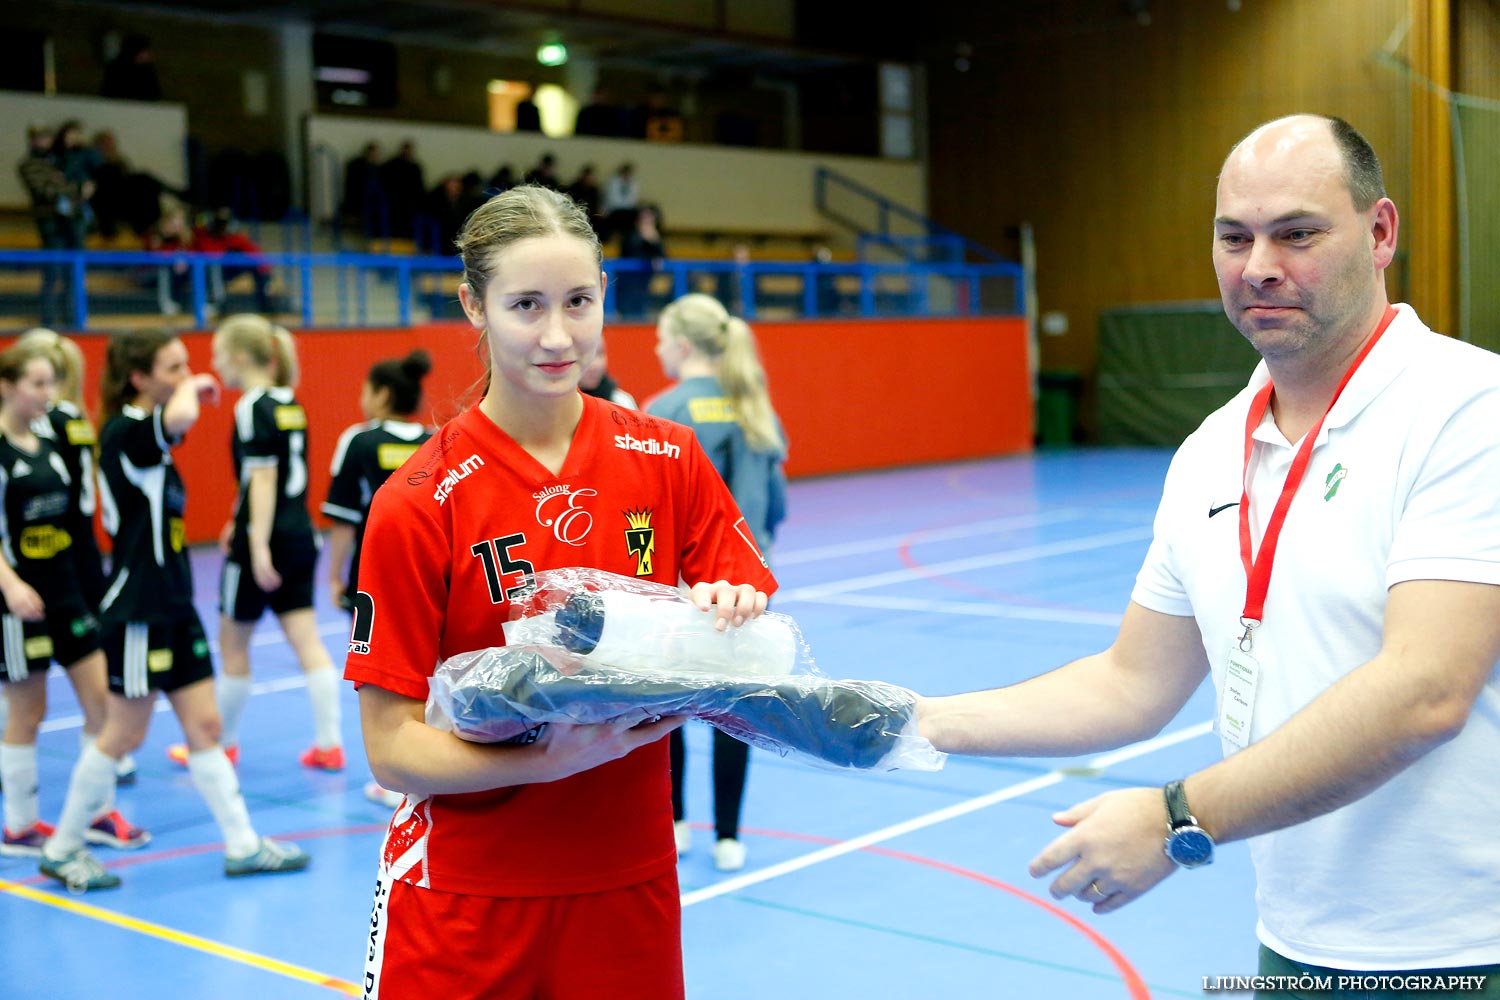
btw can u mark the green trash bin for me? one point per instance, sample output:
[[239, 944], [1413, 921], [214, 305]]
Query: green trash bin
[[1057, 398]]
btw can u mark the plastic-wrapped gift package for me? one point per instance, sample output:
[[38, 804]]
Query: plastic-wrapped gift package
[[590, 646]]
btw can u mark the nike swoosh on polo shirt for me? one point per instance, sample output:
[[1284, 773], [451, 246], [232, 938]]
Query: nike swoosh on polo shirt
[[1214, 510]]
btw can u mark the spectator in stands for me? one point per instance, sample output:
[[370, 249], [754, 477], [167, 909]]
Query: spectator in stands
[[364, 198], [596, 381], [585, 191], [78, 161], [447, 209], [131, 74], [545, 173], [170, 234], [502, 180], [401, 177], [663, 122], [642, 243], [110, 184], [57, 207], [600, 116], [220, 232], [473, 192], [528, 115], [622, 197]]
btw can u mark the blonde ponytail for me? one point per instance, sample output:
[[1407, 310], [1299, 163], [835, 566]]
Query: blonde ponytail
[[726, 340], [285, 352], [66, 358], [744, 382]]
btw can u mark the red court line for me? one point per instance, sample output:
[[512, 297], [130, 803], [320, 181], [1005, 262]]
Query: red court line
[[1133, 981]]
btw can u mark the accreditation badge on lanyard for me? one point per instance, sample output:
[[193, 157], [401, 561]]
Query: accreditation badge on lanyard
[[1242, 672]]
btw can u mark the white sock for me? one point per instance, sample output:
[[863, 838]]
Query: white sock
[[216, 781], [234, 693], [18, 775], [124, 765], [91, 792], [323, 692], [4, 713]]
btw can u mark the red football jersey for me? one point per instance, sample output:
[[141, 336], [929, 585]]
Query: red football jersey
[[456, 532]]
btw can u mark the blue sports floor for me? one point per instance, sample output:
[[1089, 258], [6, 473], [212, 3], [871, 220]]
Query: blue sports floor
[[858, 887]]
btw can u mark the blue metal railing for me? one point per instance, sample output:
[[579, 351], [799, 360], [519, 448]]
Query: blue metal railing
[[864, 289], [933, 239]]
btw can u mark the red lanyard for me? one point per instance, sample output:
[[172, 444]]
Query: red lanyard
[[1258, 571]]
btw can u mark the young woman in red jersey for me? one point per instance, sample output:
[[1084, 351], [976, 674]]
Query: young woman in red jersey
[[544, 869]]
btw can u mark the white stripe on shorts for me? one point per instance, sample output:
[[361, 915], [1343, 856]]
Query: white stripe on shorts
[[229, 588], [137, 645], [15, 649]]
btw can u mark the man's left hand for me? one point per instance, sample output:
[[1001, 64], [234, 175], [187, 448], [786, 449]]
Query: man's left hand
[[1112, 853]]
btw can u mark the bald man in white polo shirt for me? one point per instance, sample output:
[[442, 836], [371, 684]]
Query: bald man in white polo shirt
[[1327, 549]]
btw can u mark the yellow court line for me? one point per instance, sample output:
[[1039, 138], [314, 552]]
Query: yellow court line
[[183, 938]]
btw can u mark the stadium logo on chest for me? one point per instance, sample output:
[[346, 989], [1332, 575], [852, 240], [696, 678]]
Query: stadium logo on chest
[[557, 508]]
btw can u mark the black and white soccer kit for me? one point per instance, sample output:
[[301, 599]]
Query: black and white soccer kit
[[366, 456], [270, 431], [152, 636], [71, 433], [37, 526]]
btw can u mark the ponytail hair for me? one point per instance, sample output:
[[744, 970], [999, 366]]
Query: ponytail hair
[[264, 343], [66, 358], [401, 378], [126, 354], [728, 342]]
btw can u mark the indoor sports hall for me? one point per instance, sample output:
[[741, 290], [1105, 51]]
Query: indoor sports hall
[[973, 247]]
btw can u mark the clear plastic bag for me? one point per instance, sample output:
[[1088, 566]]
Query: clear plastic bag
[[590, 646]]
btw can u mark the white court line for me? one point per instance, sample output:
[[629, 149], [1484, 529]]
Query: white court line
[[267, 638], [1028, 554], [939, 816], [980, 609], [993, 526]]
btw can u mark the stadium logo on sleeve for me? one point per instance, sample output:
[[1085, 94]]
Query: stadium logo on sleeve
[[647, 446], [364, 623], [456, 475], [640, 540]]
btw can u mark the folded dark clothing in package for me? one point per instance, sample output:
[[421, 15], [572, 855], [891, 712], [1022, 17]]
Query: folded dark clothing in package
[[498, 694]]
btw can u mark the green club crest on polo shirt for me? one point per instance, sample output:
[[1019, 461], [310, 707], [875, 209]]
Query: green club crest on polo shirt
[[1335, 476], [200, 647]]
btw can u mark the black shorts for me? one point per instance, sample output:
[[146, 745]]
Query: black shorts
[[66, 636], [241, 599], [160, 657]]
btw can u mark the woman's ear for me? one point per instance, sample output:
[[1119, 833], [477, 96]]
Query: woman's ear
[[473, 307]]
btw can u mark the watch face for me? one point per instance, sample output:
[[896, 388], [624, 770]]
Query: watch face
[[1190, 847]]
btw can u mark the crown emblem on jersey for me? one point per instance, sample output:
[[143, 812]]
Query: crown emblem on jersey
[[640, 539]]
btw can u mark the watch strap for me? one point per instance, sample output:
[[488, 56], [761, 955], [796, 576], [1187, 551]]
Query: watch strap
[[1177, 805]]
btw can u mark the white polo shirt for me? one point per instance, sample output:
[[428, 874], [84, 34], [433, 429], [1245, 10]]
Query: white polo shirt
[[1402, 485]]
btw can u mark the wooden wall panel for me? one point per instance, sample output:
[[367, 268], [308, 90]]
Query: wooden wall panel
[[1107, 135]]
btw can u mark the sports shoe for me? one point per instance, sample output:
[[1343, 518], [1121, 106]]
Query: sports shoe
[[79, 870], [177, 753], [319, 759], [125, 770], [683, 834], [729, 855], [114, 830], [27, 843], [380, 795], [273, 856]]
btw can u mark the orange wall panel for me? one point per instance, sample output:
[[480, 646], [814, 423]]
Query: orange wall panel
[[852, 394]]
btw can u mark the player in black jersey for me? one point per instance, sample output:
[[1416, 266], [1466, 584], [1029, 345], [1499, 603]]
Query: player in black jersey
[[68, 427], [153, 639], [46, 616], [272, 549], [366, 456]]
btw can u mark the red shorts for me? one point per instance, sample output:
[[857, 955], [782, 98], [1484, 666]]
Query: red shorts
[[624, 944]]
